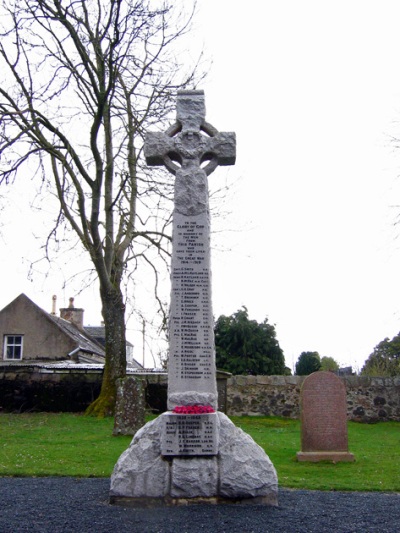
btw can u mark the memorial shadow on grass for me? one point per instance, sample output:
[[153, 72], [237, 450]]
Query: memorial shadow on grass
[[45, 444]]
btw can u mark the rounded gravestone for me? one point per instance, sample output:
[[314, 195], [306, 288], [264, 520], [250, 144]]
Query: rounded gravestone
[[323, 419]]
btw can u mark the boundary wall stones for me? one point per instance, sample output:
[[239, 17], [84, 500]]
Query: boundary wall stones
[[50, 389], [32, 389], [369, 399], [39, 388]]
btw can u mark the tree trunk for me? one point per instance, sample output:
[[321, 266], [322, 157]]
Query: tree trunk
[[115, 364]]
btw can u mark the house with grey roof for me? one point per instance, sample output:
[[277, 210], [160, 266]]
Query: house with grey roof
[[55, 363], [30, 335]]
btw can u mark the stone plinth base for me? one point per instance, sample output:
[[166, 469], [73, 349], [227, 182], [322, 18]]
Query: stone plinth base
[[240, 472], [170, 502], [334, 457]]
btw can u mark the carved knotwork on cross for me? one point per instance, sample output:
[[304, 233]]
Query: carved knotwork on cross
[[191, 149]]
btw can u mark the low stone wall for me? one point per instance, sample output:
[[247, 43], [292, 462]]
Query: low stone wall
[[62, 389], [368, 399], [31, 388], [264, 395], [35, 388], [373, 399]]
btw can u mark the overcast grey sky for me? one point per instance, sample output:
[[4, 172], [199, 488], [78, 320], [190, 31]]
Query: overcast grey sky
[[312, 90]]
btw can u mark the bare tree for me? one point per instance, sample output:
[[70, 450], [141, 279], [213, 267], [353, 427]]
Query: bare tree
[[82, 80]]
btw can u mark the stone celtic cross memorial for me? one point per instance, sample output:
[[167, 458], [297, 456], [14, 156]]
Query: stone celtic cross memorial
[[192, 452], [182, 150]]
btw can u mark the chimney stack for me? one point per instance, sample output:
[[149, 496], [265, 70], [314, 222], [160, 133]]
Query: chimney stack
[[53, 307], [72, 314]]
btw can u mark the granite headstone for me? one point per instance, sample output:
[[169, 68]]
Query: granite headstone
[[323, 419]]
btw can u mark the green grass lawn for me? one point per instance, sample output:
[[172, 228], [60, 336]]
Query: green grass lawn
[[376, 448], [46, 444]]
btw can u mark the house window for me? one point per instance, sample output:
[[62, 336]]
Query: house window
[[13, 346]]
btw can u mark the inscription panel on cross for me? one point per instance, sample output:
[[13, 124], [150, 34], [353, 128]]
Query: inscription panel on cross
[[191, 321]]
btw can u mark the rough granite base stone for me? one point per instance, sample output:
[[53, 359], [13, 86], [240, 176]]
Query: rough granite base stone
[[245, 470], [240, 473], [141, 471], [194, 477]]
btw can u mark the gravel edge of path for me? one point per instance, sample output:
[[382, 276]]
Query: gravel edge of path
[[61, 505]]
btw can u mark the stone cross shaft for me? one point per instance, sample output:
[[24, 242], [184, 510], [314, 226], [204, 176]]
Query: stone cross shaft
[[191, 149]]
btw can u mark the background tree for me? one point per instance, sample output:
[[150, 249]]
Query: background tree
[[307, 363], [81, 82], [329, 364], [244, 346], [385, 359]]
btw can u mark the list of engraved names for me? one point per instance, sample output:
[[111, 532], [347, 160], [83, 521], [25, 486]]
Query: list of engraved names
[[189, 434], [191, 327]]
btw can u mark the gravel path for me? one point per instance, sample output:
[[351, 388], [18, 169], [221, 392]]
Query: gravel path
[[70, 505]]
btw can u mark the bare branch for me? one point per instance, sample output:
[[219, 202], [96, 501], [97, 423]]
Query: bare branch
[[83, 81]]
